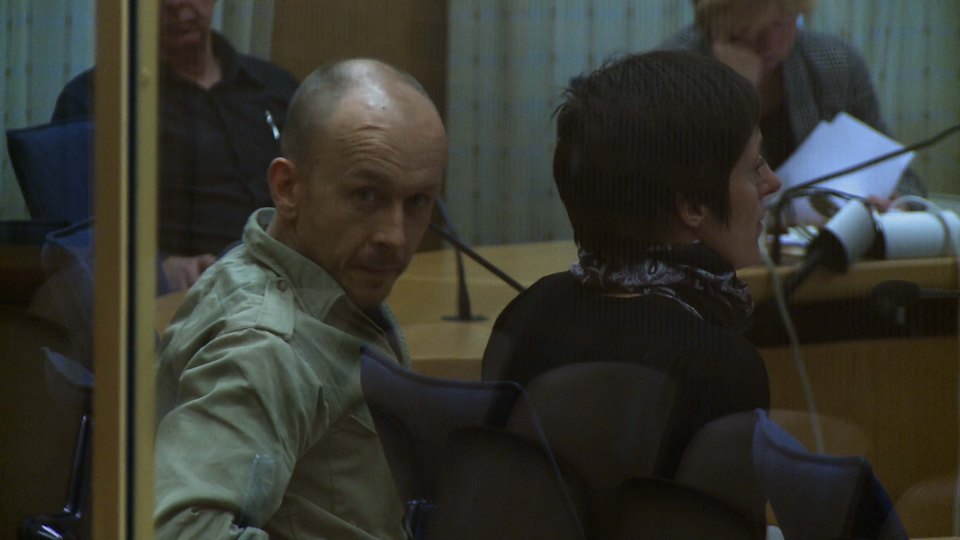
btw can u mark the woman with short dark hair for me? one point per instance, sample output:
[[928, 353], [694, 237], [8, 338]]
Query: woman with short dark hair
[[658, 164]]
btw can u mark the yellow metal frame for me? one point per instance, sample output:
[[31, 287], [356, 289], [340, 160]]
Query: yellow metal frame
[[113, 441]]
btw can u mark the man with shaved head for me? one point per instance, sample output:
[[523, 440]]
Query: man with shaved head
[[263, 431]]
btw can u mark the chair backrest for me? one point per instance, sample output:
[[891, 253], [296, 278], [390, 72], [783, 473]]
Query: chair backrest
[[606, 419], [414, 414], [496, 484], [928, 507], [667, 510], [67, 295], [53, 167], [816, 496], [719, 462]]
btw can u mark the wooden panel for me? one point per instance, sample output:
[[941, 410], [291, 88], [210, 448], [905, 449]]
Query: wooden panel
[[408, 34], [901, 392]]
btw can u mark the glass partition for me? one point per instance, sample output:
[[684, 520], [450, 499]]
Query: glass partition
[[75, 220], [862, 383], [163, 191], [46, 265]]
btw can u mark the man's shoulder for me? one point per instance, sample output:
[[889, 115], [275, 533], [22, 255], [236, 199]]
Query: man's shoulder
[[238, 293], [268, 74]]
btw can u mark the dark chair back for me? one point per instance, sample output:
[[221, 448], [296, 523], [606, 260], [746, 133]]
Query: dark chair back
[[414, 415], [667, 510], [53, 167], [719, 462], [496, 484], [606, 419], [817, 496]]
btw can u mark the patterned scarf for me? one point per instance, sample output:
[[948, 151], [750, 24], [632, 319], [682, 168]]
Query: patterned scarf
[[693, 275]]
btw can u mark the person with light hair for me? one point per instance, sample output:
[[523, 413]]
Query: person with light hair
[[802, 76]]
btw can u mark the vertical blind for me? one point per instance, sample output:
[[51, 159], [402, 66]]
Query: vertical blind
[[510, 59], [44, 44]]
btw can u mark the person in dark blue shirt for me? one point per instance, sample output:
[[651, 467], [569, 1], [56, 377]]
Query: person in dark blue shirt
[[220, 117]]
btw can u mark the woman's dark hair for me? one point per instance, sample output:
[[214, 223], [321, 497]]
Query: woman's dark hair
[[639, 131]]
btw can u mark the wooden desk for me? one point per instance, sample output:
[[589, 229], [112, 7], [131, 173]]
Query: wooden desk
[[901, 392]]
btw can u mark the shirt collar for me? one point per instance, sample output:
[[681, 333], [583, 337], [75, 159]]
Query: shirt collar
[[227, 56], [232, 63], [318, 293]]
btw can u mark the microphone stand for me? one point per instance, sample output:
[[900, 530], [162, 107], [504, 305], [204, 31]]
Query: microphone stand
[[463, 296], [800, 189], [450, 237]]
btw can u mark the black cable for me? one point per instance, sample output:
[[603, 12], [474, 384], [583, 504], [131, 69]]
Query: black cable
[[464, 312]]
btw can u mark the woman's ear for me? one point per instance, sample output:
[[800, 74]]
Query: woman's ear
[[689, 214], [284, 183]]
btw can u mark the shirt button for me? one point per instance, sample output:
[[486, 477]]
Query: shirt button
[[282, 285]]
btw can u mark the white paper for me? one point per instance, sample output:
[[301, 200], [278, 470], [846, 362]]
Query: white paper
[[836, 145]]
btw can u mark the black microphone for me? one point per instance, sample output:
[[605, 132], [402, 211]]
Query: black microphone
[[804, 188], [893, 297], [843, 240], [463, 296]]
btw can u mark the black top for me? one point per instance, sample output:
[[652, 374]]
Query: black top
[[215, 146], [557, 322]]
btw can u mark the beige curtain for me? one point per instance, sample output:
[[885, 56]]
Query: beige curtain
[[42, 45], [508, 63], [45, 43], [913, 50], [509, 60], [248, 24]]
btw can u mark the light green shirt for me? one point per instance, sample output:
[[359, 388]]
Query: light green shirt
[[262, 428]]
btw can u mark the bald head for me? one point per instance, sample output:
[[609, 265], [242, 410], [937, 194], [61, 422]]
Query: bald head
[[364, 155], [321, 94]]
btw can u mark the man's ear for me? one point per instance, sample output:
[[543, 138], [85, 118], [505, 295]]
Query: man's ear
[[689, 214], [284, 181]]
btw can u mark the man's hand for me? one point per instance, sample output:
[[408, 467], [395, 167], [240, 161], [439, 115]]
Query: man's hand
[[182, 272], [743, 60]]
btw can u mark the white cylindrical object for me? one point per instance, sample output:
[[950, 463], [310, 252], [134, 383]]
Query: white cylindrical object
[[909, 235], [853, 227]]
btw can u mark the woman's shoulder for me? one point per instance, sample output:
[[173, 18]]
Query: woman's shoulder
[[687, 39], [826, 49]]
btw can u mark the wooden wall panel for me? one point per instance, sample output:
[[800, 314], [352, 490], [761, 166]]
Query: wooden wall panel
[[408, 34]]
